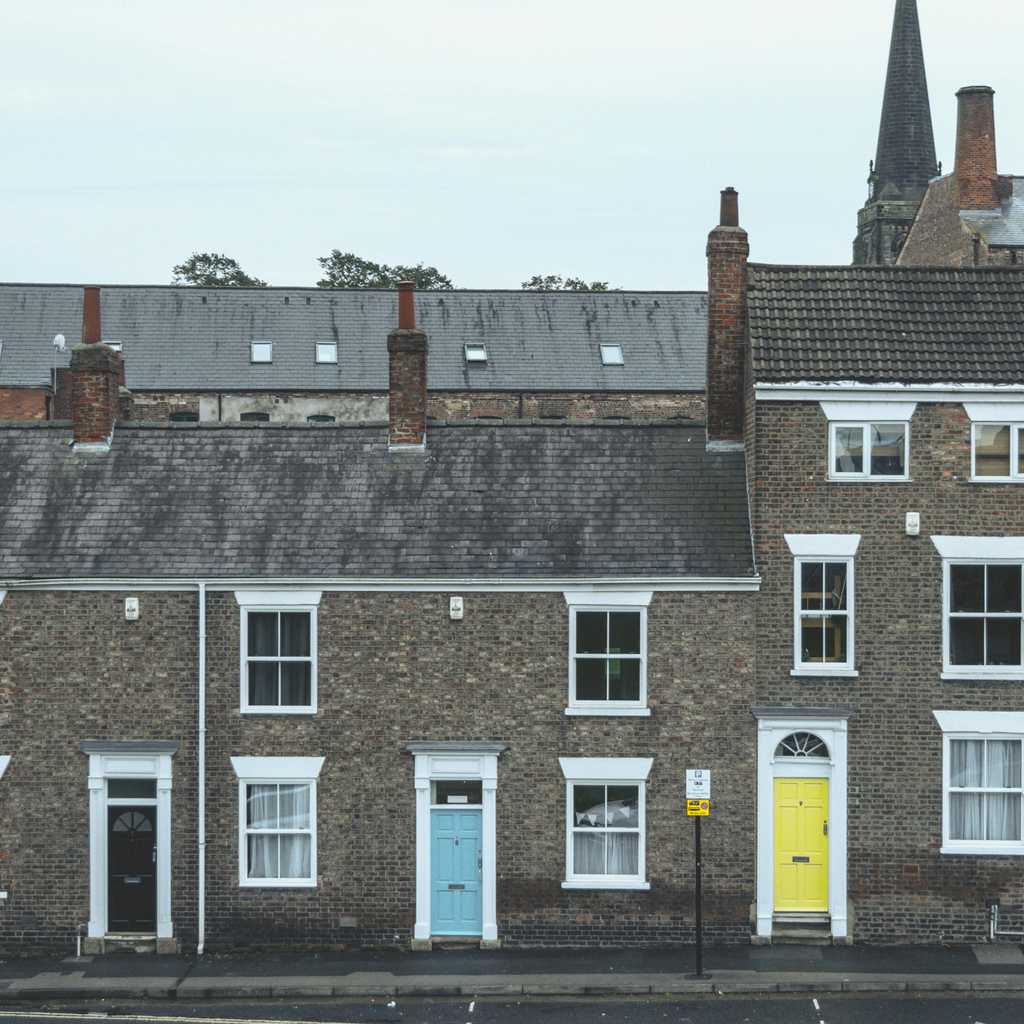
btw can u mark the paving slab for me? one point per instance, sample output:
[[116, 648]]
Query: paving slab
[[998, 954]]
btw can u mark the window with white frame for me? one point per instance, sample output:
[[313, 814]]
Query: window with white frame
[[983, 789], [5, 760], [823, 627], [997, 452], [277, 820], [868, 451], [278, 652], [608, 653], [261, 352], [326, 351], [984, 616], [605, 826]]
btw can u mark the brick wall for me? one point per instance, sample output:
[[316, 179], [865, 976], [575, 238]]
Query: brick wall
[[74, 669], [296, 406], [393, 668], [23, 403], [902, 889]]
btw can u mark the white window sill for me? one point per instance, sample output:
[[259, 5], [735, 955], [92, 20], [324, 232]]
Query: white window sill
[[997, 479], [870, 480], [838, 672], [272, 883], [1009, 676], [274, 710], [624, 886], [609, 712], [984, 851]]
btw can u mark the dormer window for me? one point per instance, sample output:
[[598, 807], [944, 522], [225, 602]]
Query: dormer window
[[476, 353], [261, 352], [612, 355], [327, 352]]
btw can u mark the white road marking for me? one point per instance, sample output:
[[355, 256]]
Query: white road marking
[[817, 1008], [472, 1005], [149, 1018]]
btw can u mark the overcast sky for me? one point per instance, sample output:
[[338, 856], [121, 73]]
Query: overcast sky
[[493, 140]]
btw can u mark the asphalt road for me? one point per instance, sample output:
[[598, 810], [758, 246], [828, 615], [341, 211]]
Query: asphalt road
[[754, 1010]]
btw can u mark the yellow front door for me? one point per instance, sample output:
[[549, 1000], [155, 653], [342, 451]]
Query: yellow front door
[[801, 845]]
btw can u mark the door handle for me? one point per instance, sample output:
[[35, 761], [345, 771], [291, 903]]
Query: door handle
[[825, 828], [801, 860]]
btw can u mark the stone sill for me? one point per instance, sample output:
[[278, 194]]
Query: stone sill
[[832, 673], [608, 712]]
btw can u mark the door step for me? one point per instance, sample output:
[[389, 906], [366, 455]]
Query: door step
[[455, 943], [128, 942], [802, 930]]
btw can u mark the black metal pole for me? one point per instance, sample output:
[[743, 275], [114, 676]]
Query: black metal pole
[[698, 898]]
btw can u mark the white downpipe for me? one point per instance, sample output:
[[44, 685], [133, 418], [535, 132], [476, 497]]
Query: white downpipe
[[201, 778]]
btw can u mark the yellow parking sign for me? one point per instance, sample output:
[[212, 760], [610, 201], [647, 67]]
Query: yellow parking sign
[[698, 808]]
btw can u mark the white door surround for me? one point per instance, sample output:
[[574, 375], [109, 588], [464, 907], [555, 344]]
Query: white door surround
[[773, 726], [456, 761], [128, 759]]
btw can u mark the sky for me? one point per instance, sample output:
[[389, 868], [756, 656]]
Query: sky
[[492, 140]]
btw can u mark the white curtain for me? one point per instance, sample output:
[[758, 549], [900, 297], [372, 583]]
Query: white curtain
[[588, 853], [995, 764], [279, 807], [623, 853]]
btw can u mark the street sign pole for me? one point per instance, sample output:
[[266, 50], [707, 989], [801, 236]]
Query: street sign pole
[[698, 805], [698, 897]]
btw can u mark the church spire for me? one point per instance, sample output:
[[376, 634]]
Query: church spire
[[905, 161]]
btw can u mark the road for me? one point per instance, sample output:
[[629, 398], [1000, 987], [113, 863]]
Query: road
[[753, 1010]]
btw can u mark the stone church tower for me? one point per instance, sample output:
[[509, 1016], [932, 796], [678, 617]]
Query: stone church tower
[[905, 161]]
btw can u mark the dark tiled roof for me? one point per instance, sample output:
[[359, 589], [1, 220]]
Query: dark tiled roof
[[496, 500], [198, 338], [887, 324], [905, 159]]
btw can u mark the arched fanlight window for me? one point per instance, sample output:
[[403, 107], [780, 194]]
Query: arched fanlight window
[[802, 744], [133, 821]]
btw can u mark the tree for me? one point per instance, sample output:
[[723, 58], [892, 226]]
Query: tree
[[214, 270], [557, 283], [347, 270]]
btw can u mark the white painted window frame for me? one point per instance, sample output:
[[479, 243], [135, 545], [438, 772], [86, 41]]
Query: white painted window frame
[[833, 732], [825, 547], [269, 345], [1015, 477], [277, 601], [118, 764], [333, 360], [977, 725], [279, 771], [445, 763], [5, 760], [597, 602], [866, 476], [975, 551], [606, 771]]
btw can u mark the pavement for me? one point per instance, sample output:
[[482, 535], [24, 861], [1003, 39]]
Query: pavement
[[515, 973]]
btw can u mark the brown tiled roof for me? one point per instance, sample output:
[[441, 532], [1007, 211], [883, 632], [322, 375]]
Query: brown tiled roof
[[887, 324]]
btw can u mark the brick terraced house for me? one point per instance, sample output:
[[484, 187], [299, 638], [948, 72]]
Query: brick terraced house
[[300, 355], [333, 683], [883, 423]]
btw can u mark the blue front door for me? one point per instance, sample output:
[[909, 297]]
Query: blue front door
[[456, 907]]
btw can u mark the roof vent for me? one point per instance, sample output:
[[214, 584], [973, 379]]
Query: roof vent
[[611, 355], [476, 353]]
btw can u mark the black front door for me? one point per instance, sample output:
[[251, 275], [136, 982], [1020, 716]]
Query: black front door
[[131, 860]]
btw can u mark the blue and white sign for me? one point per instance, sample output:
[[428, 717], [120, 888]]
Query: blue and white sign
[[698, 784]]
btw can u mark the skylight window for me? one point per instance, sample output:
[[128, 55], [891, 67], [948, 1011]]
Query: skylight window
[[611, 355], [326, 351], [476, 353], [117, 346], [261, 352]]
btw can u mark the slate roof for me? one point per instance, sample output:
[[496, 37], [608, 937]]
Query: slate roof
[[495, 500], [178, 338], [887, 324], [905, 159], [1004, 228]]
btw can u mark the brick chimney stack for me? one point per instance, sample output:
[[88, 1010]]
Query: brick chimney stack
[[976, 174], [727, 252], [95, 369], [407, 375]]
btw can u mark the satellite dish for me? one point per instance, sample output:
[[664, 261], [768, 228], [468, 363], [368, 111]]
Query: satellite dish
[[59, 342]]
